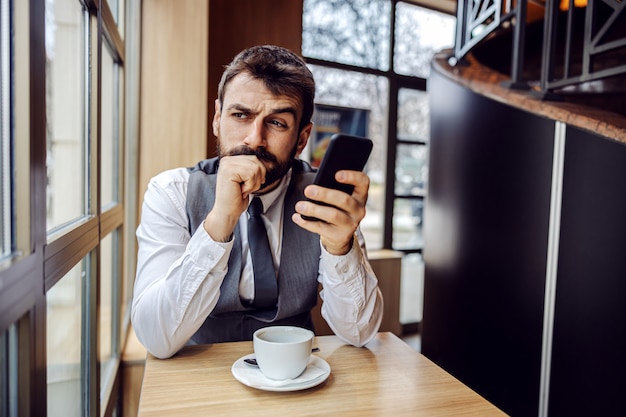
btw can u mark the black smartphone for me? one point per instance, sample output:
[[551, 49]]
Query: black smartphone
[[343, 152]]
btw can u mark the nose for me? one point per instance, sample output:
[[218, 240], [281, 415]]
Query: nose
[[255, 137]]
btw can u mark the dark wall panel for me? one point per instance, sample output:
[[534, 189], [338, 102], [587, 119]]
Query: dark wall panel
[[589, 345], [486, 232]]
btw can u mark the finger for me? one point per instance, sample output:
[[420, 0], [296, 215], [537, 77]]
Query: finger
[[332, 231], [336, 203], [246, 171], [358, 179]]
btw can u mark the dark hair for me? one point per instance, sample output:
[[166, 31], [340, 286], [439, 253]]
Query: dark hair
[[282, 72]]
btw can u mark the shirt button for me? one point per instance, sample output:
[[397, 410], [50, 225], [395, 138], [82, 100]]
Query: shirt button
[[345, 269]]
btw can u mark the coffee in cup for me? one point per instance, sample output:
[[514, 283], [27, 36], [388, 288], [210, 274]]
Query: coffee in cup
[[282, 352]]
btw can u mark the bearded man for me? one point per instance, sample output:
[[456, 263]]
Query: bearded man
[[196, 278]]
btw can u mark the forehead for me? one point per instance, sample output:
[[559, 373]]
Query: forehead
[[249, 91]]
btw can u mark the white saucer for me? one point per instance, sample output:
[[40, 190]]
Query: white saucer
[[316, 372]]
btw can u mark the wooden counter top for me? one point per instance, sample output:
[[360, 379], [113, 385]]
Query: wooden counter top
[[487, 82], [385, 378]]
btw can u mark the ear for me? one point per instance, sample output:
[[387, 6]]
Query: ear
[[216, 118], [303, 137]]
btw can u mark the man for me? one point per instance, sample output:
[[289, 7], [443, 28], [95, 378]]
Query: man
[[196, 281]]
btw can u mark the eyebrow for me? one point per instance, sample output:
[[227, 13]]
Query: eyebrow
[[279, 110]]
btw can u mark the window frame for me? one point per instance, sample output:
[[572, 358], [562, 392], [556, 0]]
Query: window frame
[[40, 259]]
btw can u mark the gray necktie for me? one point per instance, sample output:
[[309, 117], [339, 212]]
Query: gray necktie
[[265, 287]]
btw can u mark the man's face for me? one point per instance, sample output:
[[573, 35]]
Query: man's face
[[253, 121]]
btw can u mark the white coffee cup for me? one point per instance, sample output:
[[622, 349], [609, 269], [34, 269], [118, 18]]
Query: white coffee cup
[[282, 352]]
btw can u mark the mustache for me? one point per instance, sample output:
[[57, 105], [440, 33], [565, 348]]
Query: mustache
[[260, 153]]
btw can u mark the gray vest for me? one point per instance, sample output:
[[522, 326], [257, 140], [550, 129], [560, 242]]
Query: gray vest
[[232, 319]]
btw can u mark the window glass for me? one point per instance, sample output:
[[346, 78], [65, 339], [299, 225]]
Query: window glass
[[407, 223], [63, 347], [420, 33], [109, 148], [5, 129], [412, 288], [117, 8], [127, 279], [354, 32], [108, 275], [362, 91], [8, 372], [411, 170], [4, 375], [413, 115], [66, 75]]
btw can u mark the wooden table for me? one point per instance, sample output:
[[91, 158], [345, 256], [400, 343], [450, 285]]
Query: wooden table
[[385, 378]]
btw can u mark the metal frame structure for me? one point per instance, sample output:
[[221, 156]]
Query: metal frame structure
[[478, 19]]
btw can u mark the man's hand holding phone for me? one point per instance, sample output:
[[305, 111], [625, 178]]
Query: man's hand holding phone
[[338, 195], [336, 224]]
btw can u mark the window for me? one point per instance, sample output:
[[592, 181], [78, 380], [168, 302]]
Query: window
[[329, 32], [110, 131], [8, 372], [362, 91], [64, 343], [62, 200], [420, 33], [110, 273], [67, 78], [376, 55], [411, 168], [6, 208]]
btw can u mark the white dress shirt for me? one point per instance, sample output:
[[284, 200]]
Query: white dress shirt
[[179, 275]]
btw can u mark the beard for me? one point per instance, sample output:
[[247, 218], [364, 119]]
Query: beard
[[274, 169]]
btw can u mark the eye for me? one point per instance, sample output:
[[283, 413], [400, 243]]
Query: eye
[[240, 115], [278, 123]]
